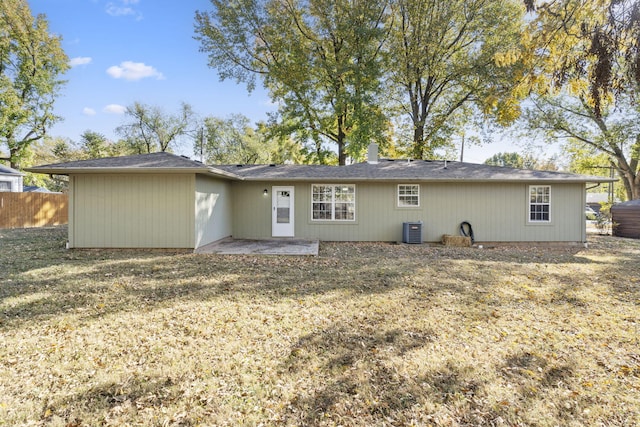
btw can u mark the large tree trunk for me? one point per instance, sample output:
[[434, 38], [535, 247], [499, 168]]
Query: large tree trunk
[[420, 99], [341, 141], [628, 172], [633, 192], [631, 183], [15, 155], [418, 141]]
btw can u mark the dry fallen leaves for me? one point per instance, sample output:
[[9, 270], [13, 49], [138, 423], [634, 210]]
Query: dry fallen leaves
[[363, 334]]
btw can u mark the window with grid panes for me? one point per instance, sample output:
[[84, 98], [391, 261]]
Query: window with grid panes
[[333, 202], [408, 195], [539, 203]]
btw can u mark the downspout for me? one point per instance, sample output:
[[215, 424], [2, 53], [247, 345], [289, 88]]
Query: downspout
[[71, 209], [584, 203]]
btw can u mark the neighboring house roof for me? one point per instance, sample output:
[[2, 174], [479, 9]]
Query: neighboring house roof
[[383, 170], [35, 189], [599, 198], [5, 170], [141, 163]]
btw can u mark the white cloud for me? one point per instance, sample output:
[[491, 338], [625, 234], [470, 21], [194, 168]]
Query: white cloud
[[115, 109], [122, 8], [132, 71], [88, 111], [115, 10], [80, 60]]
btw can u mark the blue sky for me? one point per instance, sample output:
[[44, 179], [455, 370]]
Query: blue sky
[[123, 51]]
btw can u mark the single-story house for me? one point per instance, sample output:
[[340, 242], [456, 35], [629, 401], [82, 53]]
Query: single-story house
[[163, 200], [10, 179]]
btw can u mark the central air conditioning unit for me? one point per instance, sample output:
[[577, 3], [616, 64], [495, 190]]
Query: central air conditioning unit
[[412, 232]]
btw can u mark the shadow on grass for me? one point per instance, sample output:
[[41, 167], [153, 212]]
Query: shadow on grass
[[113, 400], [534, 378], [360, 381], [355, 359], [364, 386], [98, 283], [40, 279]]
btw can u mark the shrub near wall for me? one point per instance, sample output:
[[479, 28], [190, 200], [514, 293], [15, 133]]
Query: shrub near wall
[[22, 210]]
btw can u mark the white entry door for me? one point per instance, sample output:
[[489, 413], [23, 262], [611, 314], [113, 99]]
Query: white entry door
[[282, 212]]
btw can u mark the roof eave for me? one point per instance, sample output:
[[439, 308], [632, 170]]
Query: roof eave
[[434, 180], [141, 170]]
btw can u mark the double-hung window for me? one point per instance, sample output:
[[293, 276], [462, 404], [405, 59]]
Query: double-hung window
[[333, 202], [539, 203], [408, 195]]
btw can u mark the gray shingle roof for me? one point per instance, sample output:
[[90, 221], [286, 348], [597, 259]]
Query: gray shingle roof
[[5, 170], [154, 162], [384, 170], [401, 170]]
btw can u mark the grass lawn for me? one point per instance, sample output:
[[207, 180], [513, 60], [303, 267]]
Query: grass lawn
[[362, 335]]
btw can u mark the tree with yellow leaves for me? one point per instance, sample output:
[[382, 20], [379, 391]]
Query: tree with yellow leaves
[[584, 60], [447, 57]]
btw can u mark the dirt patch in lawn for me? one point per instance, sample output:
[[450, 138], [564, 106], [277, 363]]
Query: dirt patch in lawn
[[364, 334]]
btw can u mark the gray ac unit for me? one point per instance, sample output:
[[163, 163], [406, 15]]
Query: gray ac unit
[[412, 232]]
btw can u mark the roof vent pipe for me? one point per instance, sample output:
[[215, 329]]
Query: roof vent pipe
[[445, 163], [372, 154]]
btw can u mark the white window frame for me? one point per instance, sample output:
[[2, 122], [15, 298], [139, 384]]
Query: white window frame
[[539, 201], [5, 186], [333, 202], [399, 201]]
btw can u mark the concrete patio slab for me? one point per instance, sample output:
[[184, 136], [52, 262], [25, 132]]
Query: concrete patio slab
[[261, 247]]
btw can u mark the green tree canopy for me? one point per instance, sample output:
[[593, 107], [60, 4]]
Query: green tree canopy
[[94, 145], [320, 59], [149, 129], [516, 160], [512, 160], [47, 151], [234, 141], [613, 134], [31, 63], [446, 56]]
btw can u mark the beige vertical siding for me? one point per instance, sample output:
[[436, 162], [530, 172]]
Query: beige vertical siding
[[213, 210], [497, 212], [252, 210], [132, 211]]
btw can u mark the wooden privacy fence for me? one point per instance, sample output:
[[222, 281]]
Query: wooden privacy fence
[[22, 210]]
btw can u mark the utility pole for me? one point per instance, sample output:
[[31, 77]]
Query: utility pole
[[611, 185], [202, 144]]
